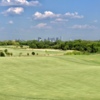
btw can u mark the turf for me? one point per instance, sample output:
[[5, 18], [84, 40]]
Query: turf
[[74, 77]]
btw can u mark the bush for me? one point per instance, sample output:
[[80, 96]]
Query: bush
[[37, 54], [21, 46], [33, 53], [2, 54], [28, 54], [9, 54], [5, 50], [74, 53]]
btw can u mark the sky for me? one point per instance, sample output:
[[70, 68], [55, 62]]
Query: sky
[[65, 19]]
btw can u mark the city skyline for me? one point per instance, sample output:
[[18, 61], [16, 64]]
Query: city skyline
[[30, 19]]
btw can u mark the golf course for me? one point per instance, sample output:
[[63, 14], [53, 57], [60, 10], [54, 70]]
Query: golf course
[[49, 49], [50, 76]]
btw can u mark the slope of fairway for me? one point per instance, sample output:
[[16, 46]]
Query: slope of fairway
[[50, 78]]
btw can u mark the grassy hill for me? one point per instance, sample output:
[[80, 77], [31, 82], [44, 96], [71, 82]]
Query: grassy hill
[[75, 77]]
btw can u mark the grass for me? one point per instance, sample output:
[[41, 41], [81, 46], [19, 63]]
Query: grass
[[42, 52], [75, 77], [49, 77]]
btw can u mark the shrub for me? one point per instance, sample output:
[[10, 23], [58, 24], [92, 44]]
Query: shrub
[[37, 54], [6, 50], [33, 53], [28, 54], [21, 46], [74, 53], [2, 54], [9, 54]]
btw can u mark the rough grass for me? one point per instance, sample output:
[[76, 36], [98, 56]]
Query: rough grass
[[74, 77], [42, 52]]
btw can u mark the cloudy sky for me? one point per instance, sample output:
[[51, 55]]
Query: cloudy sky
[[30, 19]]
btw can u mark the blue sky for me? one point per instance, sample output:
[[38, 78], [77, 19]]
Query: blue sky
[[30, 19]]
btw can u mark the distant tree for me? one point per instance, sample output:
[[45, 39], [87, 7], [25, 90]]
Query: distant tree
[[94, 48], [40, 44], [33, 45]]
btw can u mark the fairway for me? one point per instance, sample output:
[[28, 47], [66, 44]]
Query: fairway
[[74, 77]]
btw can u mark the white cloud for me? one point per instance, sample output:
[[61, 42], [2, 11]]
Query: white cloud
[[59, 20], [46, 14], [42, 26], [10, 22], [19, 3], [74, 15], [59, 17], [83, 27], [13, 10]]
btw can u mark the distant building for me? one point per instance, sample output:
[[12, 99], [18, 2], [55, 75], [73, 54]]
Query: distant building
[[39, 38], [50, 39]]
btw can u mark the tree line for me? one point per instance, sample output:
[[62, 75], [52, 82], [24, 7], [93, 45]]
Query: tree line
[[79, 45]]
